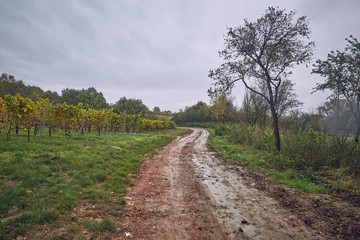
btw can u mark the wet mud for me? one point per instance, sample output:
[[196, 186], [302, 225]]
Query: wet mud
[[186, 192]]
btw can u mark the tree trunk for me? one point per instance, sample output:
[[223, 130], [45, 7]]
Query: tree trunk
[[357, 134], [276, 128], [28, 132], [67, 132], [8, 135], [274, 114], [262, 122], [36, 128]]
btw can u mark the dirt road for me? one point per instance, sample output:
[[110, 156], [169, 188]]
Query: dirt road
[[185, 192]]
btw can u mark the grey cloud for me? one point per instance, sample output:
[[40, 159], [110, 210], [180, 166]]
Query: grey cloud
[[159, 51]]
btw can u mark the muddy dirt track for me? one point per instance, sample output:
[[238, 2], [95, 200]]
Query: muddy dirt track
[[185, 192]]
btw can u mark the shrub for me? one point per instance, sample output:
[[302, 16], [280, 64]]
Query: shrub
[[302, 150]]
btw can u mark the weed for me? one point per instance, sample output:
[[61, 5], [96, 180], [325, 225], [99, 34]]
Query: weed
[[121, 202], [100, 226], [107, 237], [72, 229], [106, 225]]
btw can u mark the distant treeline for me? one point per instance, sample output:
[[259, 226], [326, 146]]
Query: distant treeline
[[333, 117], [90, 97], [9, 85]]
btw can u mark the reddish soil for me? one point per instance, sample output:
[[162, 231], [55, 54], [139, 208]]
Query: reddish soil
[[167, 201], [185, 192]]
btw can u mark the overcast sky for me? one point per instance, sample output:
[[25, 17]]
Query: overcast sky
[[159, 51]]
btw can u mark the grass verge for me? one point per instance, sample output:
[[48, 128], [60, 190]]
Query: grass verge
[[275, 166], [42, 184]]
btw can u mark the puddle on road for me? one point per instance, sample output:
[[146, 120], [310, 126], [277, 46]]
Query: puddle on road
[[226, 200]]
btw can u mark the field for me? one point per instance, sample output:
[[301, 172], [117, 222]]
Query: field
[[69, 183]]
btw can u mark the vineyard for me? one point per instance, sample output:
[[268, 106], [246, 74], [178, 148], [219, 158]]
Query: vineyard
[[70, 177], [24, 113]]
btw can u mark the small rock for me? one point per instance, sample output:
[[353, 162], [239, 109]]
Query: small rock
[[245, 222]]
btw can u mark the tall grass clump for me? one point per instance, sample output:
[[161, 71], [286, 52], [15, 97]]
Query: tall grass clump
[[318, 151], [240, 133], [306, 152]]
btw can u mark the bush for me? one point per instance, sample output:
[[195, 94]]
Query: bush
[[310, 149], [302, 150], [240, 133]]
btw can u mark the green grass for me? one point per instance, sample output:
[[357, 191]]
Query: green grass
[[240, 154], [100, 226], [296, 180], [41, 182], [276, 166]]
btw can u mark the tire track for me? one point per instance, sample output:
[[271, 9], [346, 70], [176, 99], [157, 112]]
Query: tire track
[[244, 212]]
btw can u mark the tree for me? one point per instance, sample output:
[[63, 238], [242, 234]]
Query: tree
[[130, 106], [117, 121], [231, 114], [28, 113], [261, 54], [219, 104], [337, 115], [40, 108], [287, 99], [199, 113], [53, 96], [254, 109], [99, 119], [54, 118], [313, 120], [2, 111], [70, 96], [9, 85], [21, 112], [13, 107], [89, 97], [342, 73], [156, 109]]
